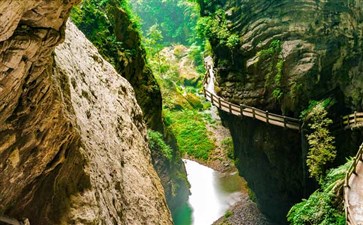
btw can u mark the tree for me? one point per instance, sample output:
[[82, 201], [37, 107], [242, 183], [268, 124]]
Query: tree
[[321, 143]]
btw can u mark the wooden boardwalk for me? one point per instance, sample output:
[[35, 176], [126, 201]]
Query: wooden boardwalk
[[351, 121], [353, 191], [244, 110], [353, 187]]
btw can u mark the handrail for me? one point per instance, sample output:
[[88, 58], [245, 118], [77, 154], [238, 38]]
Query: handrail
[[351, 121], [10, 221], [247, 111], [352, 170]]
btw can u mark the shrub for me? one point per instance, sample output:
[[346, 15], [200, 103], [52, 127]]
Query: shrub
[[321, 143], [156, 143], [324, 206], [227, 144]]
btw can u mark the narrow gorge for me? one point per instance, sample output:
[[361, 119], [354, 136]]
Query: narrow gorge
[[112, 111], [73, 142]]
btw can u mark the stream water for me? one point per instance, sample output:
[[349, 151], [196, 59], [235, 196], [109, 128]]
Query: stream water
[[212, 193]]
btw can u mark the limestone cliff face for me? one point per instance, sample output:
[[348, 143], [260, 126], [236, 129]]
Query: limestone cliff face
[[289, 52], [321, 46], [73, 146], [116, 36]]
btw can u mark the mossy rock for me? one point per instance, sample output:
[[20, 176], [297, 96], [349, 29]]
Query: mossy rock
[[194, 101]]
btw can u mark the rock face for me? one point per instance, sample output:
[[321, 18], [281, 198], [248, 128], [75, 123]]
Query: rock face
[[320, 51], [73, 146], [115, 34], [289, 52], [118, 40]]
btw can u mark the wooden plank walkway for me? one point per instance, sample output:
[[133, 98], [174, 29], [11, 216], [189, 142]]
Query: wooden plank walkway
[[353, 191], [351, 121], [244, 110], [353, 188]]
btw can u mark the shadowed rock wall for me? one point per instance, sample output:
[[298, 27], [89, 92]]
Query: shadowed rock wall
[[289, 52]]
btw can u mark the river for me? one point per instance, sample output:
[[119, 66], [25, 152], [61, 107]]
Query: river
[[212, 193]]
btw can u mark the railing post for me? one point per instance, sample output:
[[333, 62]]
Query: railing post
[[348, 122], [355, 118], [253, 113], [230, 107], [284, 121], [219, 103], [267, 117], [211, 98], [241, 108]]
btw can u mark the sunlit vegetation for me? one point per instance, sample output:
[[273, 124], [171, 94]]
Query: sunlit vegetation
[[189, 127], [183, 105], [324, 206], [96, 19], [321, 142], [214, 27], [176, 19]]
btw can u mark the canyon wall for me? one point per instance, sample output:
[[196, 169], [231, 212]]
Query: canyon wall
[[113, 30], [288, 53], [73, 144]]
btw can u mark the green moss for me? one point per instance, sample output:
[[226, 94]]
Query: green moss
[[156, 143], [274, 48], [274, 74], [190, 130], [228, 214], [227, 144]]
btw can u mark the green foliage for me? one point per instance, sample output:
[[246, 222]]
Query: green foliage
[[96, 19], [325, 103], [272, 54], [196, 53], [274, 48], [228, 214], [156, 143], [153, 40], [324, 206], [214, 27], [177, 18], [227, 144], [321, 143], [190, 131]]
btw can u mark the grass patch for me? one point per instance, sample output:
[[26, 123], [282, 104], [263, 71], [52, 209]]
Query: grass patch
[[190, 130], [227, 145], [228, 214], [157, 143]]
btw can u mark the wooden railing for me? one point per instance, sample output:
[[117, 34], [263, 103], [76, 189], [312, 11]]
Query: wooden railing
[[354, 120], [351, 121], [352, 170], [252, 112], [10, 221], [248, 111]]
